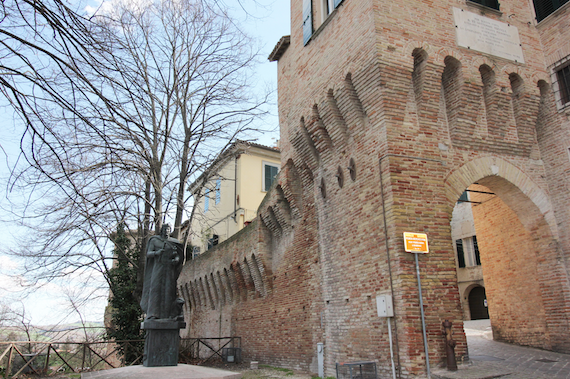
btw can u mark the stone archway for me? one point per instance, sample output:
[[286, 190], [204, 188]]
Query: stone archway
[[525, 278]]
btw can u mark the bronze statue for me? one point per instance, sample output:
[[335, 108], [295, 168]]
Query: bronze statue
[[164, 258]]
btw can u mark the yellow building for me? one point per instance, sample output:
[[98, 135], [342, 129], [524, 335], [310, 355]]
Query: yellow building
[[235, 185]]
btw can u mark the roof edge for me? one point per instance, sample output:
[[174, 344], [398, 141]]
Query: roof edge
[[280, 48]]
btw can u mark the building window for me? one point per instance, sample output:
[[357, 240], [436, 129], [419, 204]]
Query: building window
[[563, 80], [195, 251], [464, 198], [213, 241], [560, 75], [307, 21], [206, 200], [467, 252], [218, 190], [460, 253], [544, 8], [488, 3], [270, 171], [327, 7], [476, 251]]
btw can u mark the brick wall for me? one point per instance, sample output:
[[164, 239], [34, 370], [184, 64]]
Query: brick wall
[[384, 122]]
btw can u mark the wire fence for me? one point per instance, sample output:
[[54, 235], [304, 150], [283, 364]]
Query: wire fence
[[24, 358]]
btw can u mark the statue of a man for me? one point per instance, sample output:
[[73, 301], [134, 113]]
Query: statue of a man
[[164, 258]]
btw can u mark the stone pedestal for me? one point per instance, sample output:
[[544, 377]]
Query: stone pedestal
[[161, 342]]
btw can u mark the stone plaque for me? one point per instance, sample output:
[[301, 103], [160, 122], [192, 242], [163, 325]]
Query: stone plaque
[[487, 35]]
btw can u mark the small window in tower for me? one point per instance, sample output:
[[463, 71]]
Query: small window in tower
[[315, 15], [545, 8], [494, 4], [328, 7], [560, 75], [563, 79]]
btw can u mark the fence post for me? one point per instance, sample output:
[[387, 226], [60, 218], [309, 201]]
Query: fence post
[[46, 366], [83, 360], [9, 367]]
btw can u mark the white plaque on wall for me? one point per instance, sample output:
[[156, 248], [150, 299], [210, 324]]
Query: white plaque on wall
[[487, 35]]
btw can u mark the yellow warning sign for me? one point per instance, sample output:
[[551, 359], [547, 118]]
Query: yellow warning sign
[[416, 243]]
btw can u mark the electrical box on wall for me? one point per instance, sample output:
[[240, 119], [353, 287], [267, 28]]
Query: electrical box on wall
[[384, 306]]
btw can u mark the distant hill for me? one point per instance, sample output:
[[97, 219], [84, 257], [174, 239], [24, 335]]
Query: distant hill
[[73, 332]]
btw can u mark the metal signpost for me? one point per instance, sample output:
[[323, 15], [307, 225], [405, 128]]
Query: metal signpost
[[417, 243]]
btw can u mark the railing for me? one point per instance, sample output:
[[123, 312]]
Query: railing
[[201, 350], [52, 358]]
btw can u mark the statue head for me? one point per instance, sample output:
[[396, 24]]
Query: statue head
[[165, 231]]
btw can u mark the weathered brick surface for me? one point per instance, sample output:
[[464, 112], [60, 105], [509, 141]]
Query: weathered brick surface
[[384, 84]]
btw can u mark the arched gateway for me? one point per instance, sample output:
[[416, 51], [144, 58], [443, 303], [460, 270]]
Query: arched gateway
[[525, 273]]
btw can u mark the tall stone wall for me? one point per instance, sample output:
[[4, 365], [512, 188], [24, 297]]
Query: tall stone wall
[[385, 121]]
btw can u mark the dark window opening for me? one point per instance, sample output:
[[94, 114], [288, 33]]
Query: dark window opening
[[476, 249], [544, 8], [460, 253], [213, 241], [488, 3], [563, 78], [464, 198]]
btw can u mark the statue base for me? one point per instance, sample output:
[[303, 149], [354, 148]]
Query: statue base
[[162, 342]]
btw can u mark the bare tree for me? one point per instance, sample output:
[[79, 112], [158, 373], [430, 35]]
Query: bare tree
[[116, 132]]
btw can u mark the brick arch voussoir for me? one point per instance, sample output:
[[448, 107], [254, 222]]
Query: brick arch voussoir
[[514, 69], [489, 167], [411, 46], [440, 55], [472, 70], [537, 77]]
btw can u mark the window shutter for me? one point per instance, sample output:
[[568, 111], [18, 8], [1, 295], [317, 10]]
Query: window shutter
[[307, 20], [460, 254], [544, 8], [337, 3], [206, 200], [218, 190], [270, 172], [477, 255]]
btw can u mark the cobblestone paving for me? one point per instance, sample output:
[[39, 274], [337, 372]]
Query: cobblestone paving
[[491, 359]]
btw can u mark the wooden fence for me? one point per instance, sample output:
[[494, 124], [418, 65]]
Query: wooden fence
[[52, 358]]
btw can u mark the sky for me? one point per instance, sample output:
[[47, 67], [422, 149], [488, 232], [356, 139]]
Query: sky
[[267, 21]]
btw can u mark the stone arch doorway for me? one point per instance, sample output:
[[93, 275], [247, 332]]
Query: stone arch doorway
[[523, 270], [478, 303]]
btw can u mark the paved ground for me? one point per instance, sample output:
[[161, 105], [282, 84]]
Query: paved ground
[[172, 372], [491, 359]]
